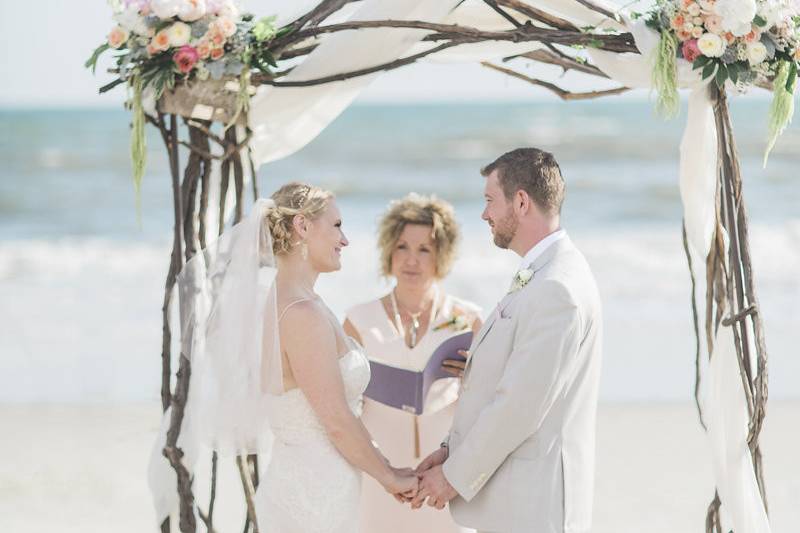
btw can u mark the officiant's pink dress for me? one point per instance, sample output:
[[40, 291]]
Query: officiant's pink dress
[[404, 438]]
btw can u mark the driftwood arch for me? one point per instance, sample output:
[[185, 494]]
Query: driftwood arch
[[730, 301]]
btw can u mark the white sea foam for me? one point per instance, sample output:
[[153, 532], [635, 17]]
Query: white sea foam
[[80, 318]]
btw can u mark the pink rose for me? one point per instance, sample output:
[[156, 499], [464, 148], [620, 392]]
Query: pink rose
[[185, 58], [690, 50]]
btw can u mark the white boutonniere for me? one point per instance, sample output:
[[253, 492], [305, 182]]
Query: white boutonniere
[[521, 279]]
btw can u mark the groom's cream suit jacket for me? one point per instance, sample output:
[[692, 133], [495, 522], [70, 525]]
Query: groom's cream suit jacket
[[523, 437]]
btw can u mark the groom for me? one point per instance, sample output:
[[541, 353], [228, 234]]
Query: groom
[[520, 454]]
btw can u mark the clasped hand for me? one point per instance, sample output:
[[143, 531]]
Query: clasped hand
[[431, 486]]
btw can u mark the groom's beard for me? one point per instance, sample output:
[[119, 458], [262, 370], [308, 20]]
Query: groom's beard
[[505, 229]]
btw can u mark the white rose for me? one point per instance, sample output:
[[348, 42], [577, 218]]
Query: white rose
[[737, 15], [165, 9], [756, 52], [229, 10], [775, 11], [179, 34], [191, 10], [116, 5], [711, 45], [131, 20], [694, 10], [697, 32]]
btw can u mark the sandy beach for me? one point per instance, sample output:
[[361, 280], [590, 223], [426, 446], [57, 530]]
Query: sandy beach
[[81, 468]]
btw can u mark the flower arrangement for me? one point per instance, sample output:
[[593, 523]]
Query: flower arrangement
[[736, 41], [165, 41], [159, 43]]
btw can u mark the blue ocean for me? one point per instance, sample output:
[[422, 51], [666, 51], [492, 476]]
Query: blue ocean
[[82, 279]]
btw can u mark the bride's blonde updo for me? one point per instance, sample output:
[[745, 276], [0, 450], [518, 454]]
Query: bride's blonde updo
[[291, 200]]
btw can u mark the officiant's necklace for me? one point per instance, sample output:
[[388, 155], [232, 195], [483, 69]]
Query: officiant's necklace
[[414, 330]]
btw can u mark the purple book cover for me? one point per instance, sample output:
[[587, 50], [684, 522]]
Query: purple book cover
[[407, 389]]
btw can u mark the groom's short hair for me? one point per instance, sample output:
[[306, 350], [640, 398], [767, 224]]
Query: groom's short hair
[[534, 171]]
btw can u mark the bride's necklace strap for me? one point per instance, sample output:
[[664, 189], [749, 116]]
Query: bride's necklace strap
[[414, 330]]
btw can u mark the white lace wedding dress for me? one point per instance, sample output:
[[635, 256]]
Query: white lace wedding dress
[[308, 486]]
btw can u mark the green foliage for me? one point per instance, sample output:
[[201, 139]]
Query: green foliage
[[92, 61], [138, 144], [781, 109], [264, 29], [665, 76]]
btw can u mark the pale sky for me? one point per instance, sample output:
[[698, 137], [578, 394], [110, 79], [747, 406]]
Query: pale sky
[[47, 41]]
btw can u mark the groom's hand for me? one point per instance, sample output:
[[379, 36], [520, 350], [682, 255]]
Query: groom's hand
[[436, 458], [434, 487]]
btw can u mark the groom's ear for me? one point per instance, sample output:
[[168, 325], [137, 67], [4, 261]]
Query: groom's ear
[[521, 202]]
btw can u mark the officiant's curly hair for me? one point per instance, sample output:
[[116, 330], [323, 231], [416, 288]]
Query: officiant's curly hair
[[424, 211], [291, 200], [534, 171]]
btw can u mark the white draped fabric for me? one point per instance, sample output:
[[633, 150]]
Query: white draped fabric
[[284, 119]]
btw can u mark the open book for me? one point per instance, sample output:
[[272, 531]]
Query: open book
[[407, 389]]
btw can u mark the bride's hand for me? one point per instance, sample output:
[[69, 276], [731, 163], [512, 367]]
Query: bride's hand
[[404, 484]]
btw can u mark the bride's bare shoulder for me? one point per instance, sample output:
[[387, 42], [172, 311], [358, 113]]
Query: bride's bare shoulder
[[305, 322]]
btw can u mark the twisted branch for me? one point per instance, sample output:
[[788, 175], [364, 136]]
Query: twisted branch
[[558, 91]]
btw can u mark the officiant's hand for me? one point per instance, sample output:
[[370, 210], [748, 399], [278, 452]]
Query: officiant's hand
[[456, 367], [435, 488]]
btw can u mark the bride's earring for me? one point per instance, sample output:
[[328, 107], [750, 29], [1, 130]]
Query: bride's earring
[[303, 249]]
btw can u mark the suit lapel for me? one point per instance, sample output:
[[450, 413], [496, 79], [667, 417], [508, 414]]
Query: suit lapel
[[504, 303], [562, 244]]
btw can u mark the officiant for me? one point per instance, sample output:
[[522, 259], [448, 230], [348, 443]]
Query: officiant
[[417, 240]]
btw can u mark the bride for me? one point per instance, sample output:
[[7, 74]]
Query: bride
[[274, 359]]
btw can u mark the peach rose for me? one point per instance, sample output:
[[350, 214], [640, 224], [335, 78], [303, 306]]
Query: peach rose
[[226, 26], [117, 37], [217, 53], [203, 50], [714, 24], [753, 36], [678, 21], [161, 41]]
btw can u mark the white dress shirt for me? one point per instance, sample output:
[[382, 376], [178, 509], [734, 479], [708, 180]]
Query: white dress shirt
[[540, 247]]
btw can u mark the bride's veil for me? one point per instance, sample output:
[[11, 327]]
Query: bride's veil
[[229, 331], [230, 335]]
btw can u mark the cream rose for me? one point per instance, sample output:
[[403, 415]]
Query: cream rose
[[756, 52], [179, 34], [165, 9], [711, 45]]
